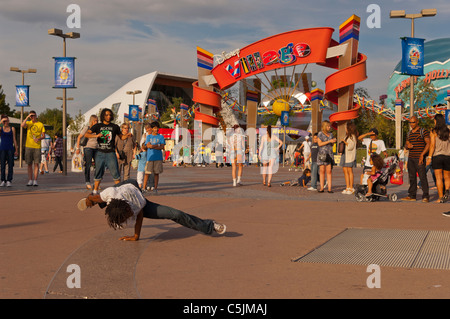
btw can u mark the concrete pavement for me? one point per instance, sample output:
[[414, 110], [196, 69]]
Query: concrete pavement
[[43, 233]]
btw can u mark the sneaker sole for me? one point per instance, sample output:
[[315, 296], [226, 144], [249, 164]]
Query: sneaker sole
[[223, 231], [82, 204]]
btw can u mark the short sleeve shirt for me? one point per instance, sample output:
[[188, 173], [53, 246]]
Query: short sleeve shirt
[[106, 142], [34, 130], [152, 154], [129, 193], [376, 146]]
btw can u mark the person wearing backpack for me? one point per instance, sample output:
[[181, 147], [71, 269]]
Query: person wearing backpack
[[418, 144]]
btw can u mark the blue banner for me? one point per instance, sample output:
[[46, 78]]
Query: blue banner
[[64, 72], [22, 95], [133, 113], [412, 56], [284, 118], [447, 117]]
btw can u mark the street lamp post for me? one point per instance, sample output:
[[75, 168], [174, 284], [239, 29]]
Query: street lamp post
[[133, 93], [14, 69], [402, 14], [64, 36]]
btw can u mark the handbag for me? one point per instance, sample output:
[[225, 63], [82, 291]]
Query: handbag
[[83, 141], [322, 157], [341, 148]]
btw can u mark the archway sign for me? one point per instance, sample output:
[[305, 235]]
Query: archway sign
[[275, 53]]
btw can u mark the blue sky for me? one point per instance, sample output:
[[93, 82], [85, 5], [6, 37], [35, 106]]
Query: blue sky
[[121, 40]]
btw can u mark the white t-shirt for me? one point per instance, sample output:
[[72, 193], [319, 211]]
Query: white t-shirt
[[128, 193], [306, 147], [377, 147]]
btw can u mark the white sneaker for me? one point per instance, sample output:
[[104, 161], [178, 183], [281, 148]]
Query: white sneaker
[[8, 184], [351, 191], [30, 183], [35, 183], [312, 189], [220, 228], [345, 191], [3, 184]]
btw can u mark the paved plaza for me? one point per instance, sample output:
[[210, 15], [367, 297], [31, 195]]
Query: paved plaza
[[268, 230]]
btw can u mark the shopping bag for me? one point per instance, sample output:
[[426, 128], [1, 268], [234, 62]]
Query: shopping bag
[[77, 163]]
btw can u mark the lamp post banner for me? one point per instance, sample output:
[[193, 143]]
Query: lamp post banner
[[133, 113], [412, 56], [22, 95], [64, 72]]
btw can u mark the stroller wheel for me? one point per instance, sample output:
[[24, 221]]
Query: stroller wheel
[[393, 197], [360, 197]]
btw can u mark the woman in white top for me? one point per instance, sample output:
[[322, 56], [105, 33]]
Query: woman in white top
[[439, 156], [348, 160]]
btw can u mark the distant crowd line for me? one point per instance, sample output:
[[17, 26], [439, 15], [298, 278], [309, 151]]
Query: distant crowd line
[[107, 145]]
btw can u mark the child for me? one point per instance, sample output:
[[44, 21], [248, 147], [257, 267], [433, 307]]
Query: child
[[305, 178], [377, 163], [142, 158]]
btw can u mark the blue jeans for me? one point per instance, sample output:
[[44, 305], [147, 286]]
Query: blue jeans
[[106, 160], [314, 174], [156, 211], [89, 154], [7, 157]]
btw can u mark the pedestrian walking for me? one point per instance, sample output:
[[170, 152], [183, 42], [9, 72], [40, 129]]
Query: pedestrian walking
[[236, 146], [35, 133], [8, 149], [46, 145], [58, 148], [439, 156], [418, 144], [90, 146]]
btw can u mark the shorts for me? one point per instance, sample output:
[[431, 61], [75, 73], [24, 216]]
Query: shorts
[[32, 155], [441, 162], [345, 164], [44, 154], [154, 167]]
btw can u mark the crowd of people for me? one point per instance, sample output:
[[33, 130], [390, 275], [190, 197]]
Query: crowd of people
[[104, 144]]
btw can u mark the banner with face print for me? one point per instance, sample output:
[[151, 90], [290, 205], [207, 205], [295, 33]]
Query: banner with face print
[[22, 95], [64, 72]]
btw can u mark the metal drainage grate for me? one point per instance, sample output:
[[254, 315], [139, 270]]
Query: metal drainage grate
[[385, 247]]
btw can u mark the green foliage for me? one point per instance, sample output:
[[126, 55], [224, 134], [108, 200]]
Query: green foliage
[[53, 117], [4, 107]]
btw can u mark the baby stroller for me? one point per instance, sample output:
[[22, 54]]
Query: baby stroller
[[392, 170]]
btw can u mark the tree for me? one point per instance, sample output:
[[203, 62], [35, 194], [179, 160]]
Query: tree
[[76, 125], [53, 117], [4, 107], [168, 117]]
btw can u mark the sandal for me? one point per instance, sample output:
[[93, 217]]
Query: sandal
[[89, 187], [268, 185]]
